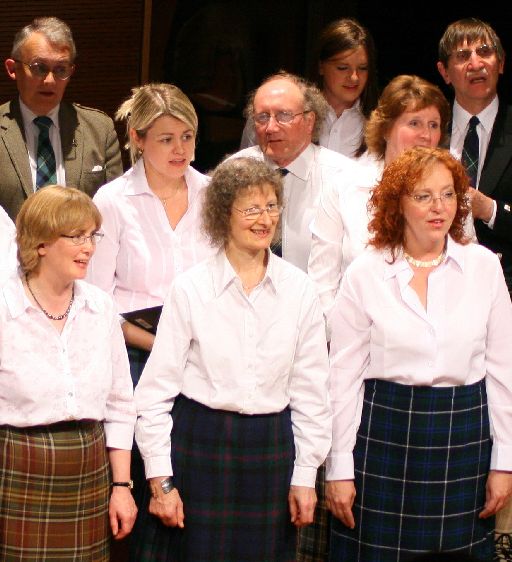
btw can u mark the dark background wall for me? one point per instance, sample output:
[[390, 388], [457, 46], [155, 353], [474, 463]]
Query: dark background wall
[[218, 50]]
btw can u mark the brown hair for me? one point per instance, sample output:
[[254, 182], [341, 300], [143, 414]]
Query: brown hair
[[47, 214], [399, 178], [470, 30], [230, 179], [404, 93], [348, 34]]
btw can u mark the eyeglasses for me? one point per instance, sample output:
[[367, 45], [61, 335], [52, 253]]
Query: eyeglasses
[[282, 117], [427, 199], [81, 239], [253, 213], [60, 71], [483, 51]]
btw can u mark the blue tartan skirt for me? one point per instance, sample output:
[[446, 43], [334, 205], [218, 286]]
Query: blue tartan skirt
[[421, 458], [233, 473]]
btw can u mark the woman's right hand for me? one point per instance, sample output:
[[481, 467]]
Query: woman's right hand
[[167, 507], [339, 497]]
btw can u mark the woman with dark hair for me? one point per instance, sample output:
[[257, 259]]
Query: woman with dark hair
[[234, 417], [420, 373], [66, 398]]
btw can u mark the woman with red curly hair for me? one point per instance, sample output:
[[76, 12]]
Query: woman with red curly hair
[[420, 369]]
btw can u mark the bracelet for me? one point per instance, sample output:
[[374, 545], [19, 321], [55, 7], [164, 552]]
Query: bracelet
[[128, 484]]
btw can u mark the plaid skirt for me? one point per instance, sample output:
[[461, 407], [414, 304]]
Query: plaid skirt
[[233, 473], [421, 458], [313, 540], [54, 493]]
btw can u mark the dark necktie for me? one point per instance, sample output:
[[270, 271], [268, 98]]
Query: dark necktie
[[277, 247], [46, 172], [470, 151]]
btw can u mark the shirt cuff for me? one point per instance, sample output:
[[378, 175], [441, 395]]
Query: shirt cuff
[[118, 435], [340, 467], [501, 457], [158, 466], [490, 224], [303, 476]]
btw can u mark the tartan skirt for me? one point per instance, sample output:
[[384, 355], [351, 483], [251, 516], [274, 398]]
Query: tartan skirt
[[233, 473], [421, 459], [54, 493], [313, 540]]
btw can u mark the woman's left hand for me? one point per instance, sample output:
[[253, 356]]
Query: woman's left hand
[[302, 501], [122, 512], [497, 491]]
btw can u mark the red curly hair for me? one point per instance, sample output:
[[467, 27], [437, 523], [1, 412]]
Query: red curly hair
[[399, 178]]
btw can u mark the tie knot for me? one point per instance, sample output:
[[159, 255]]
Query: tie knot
[[43, 121], [283, 171], [473, 122]]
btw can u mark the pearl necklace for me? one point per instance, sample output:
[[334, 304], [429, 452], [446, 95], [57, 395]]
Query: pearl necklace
[[45, 312], [432, 263]]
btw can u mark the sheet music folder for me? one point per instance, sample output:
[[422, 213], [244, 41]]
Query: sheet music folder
[[145, 318]]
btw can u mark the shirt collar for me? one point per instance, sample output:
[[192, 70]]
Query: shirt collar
[[137, 183], [28, 115], [17, 301], [454, 253], [224, 274], [486, 117], [301, 166]]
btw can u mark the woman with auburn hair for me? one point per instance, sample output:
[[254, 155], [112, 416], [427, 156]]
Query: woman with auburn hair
[[420, 367], [66, 398]]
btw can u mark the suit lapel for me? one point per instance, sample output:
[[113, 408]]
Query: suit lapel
[[12, 132], [72, 145], [498, 152]]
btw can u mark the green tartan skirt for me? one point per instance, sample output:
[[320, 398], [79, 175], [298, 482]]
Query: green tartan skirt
[[54, 493]]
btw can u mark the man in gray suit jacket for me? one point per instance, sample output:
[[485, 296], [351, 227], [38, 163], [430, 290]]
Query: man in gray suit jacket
[[83, 140]]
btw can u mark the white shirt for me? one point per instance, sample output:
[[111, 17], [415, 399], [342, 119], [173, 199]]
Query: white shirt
[[31, 136], [82, 373], [343, 134], [460, 126], [340, 228], [309, 173], [8, 259], [253, 354], [140, 253], [381, 330]]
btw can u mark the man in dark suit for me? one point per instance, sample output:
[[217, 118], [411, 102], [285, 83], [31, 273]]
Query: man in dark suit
[[80, 149], [471, 59]]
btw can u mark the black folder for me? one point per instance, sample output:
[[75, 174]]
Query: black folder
[[146, 318]]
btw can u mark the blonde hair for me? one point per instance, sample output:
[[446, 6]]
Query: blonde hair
[[149, 102], [47, 214]]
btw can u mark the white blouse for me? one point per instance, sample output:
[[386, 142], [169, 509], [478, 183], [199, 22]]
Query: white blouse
[[343, 134], [81, 373], [251, 354], [340, 228], [381, 330], [140, 253]]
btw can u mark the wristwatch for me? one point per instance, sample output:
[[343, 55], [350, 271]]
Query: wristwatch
[[128, 484], [167, 485]]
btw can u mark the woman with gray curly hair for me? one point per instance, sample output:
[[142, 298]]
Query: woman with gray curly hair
[[233, 411]]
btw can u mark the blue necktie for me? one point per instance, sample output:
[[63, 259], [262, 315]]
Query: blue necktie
[[471, 150], [46, 171]]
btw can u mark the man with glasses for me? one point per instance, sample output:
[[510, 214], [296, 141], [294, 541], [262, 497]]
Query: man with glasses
[[287, 112], [471, 59], [44, 140]]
